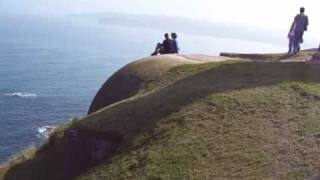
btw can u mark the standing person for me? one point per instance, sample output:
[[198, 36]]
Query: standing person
[[291, 37], [165, 47], [302, 23], [175, 47]]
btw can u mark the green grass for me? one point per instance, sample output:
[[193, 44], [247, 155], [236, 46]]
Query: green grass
[[226, 135], [178, 73], [3, 170], [25, 155], [230, 120]]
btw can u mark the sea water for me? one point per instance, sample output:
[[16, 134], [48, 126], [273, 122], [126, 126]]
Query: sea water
[[51, 68]]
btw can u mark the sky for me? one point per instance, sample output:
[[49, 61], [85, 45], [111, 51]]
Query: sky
[[257, 12], [269, 14]]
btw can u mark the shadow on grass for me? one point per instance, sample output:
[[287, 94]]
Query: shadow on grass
[[114, 129]]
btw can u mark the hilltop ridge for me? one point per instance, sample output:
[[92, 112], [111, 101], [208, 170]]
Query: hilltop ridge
[[128, 80]]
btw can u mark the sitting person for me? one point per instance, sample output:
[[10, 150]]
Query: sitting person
[[158, 50], [175, 47], [165, 47]]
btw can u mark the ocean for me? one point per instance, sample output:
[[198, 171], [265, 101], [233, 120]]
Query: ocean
[[51, 68]]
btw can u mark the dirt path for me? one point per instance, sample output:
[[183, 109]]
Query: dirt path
[[303, 56], [200, 58]]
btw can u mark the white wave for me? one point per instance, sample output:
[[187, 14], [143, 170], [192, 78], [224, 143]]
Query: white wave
[[21, 95], [45, 131]]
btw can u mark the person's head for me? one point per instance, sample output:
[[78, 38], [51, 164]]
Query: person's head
[[166, 35], [174, 35], [302, 9]]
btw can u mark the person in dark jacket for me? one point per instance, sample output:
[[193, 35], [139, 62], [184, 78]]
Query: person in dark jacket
[[301, 21], [165, 47], [175, 46], [167, 44]]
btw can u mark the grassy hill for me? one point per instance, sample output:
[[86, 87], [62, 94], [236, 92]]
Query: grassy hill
[[218, 120]]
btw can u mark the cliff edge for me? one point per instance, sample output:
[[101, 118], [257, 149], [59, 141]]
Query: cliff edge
[[250, 117]]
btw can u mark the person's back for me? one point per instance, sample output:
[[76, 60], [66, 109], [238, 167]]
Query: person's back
[[167, 45], [175, 47], [301, 21]]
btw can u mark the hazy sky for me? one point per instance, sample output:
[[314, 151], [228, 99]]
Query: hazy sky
[[240, 10], [265, 13]]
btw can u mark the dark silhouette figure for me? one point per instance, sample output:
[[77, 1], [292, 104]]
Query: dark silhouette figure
[[301, 25], [175, 46], [165, 47], [291, 37]]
